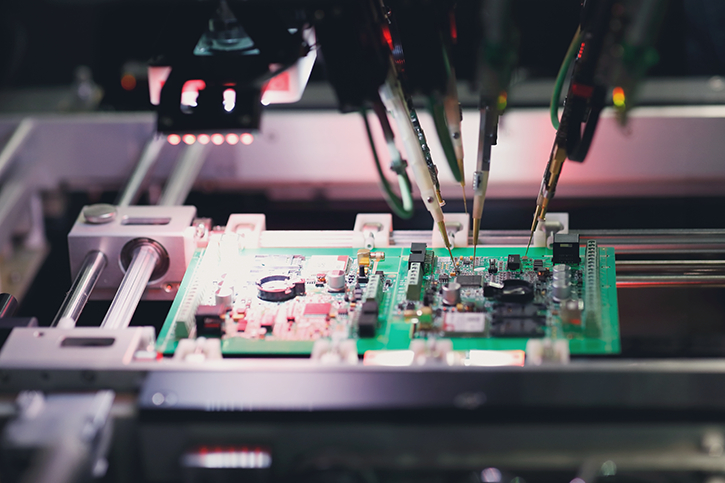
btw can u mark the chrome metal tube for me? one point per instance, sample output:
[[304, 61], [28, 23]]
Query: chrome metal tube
[[15, 142], [132, 287], [76, 298], [147, 160], [185, 173]]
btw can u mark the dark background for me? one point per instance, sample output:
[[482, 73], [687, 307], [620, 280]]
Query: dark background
[[45, 40]]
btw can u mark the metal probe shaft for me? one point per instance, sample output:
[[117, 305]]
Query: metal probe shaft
[[392, 96], [486, 138], [452, 108], [548, 186], [76, 298]]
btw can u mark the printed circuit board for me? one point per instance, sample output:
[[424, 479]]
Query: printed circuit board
[[279, 301]]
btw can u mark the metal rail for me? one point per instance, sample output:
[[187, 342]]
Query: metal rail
[[131, 289], [146, 258], [185, 173], [76, 298], [16, 141], [148, 158]]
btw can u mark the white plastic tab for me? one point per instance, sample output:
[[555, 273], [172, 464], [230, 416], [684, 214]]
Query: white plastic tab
[[541, 351], [376, 229], [458, 226], [248, 226], [545, 231]]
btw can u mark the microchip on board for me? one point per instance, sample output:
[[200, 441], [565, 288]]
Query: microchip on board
[[469, 280], [317, 309]]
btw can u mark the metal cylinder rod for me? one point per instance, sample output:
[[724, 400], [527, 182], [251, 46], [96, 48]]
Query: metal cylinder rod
[[132, 287], [185, 173], [145, 258], [21, 133], [140, 173], [76, 298]]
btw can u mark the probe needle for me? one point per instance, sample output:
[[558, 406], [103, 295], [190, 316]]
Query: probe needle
[[452, 108], [486, 138], [392, 96], [548, 187]]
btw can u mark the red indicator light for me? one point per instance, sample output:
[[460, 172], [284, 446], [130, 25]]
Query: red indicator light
[[173, 139], [246, 139], [387, 36], [203, 138], [189, 139], [454, 29], [232, 139], [582, 90], [217, 139], [128, 82]]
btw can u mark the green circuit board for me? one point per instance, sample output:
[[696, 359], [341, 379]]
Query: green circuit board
[[495, 304]]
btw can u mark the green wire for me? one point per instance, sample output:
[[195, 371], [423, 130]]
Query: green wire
[[558, 86], [439, 118], [401, 207]]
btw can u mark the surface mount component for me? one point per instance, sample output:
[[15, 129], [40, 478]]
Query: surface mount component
[[514, 262], [210, 321], [451, 293], [566, 249], [518, 320], [368, 320], [469, 280], [417, 254]]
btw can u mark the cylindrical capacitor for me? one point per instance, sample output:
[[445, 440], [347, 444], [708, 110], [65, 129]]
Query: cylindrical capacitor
[[561, 289], [224, 297], [561, 268], [336, 281], [452, 293], [561, 273]]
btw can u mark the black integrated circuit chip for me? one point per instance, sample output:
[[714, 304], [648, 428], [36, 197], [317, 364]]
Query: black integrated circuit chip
[[470, 280], [514, 261], [517, 320]]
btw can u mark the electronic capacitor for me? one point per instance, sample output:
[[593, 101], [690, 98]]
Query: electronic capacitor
[[336, 281], [451, 293]]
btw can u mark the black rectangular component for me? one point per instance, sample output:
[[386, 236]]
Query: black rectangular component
[[418, 248], [366, 325], [209, 321], [370, 307], [518, 320], [416, 258], [538, 264], [367, 321], [418, 252], [566, 249], [470, 280], [514, 262]]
